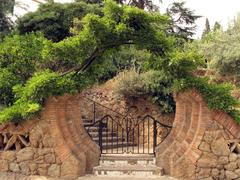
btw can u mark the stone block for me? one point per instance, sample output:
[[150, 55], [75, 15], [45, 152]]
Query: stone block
[[25, 154], [24, 168], [35, 137], [237, 171], [14, 167], [223, 160], [215, 173], [204, 147], [233, 157], [3, 165], [8, 155], [220, 147], [204, 173], [54, 170], [50, 158], [208, 137], [207, 160], [231, 166], [231, 175], [32, 167]]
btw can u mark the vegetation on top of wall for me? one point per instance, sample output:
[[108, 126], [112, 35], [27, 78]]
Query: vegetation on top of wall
[[30, 96], [217, 96]]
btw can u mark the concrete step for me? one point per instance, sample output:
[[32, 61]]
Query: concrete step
[[87, 121], [95, 129], [108, 139], [104, 134], [130, 170], [110, 145], [124, 159]]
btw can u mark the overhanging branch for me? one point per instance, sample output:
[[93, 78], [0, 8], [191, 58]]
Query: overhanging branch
[[88, 61]]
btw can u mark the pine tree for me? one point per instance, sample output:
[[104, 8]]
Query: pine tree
[[207, 28], [183, 20]]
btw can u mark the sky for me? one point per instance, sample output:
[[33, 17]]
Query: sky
[[215, 10]]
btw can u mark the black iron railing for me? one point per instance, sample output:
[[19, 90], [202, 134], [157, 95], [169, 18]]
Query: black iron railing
[[129, 135]]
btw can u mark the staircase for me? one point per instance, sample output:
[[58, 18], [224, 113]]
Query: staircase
[[128, 165], [110, 140]]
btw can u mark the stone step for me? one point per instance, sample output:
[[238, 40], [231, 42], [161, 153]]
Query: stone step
[[108, 139], [104, 134], [125, 159], [95, 129], [111, 145], [87, 121], [130, 170]]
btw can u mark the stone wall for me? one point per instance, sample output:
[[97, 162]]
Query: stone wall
[[55, 144], [203, 144]]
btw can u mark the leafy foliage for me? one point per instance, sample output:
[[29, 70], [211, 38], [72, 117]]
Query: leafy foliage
[[221, 50], [152, 83], [54, 19], [217, 96], [142, 4], [38, 68], [20, 57], [30, 97], [6, 8]]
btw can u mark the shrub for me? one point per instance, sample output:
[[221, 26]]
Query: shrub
[[152, 83]]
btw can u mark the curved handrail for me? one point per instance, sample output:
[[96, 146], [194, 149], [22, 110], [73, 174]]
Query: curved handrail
[[149, 116], [106, 116], [103, 106]]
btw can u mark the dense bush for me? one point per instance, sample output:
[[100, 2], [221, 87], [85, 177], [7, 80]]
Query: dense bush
[[152, 83]]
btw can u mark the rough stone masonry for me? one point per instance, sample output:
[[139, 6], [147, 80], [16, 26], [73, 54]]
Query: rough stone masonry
[[203, 144]]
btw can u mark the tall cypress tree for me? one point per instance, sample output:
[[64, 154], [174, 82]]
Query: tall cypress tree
[[207, 28]]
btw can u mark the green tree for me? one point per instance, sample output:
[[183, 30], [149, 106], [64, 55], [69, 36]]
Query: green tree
[[6, 8], [142, 4], [207, 28], [54, 19], [221, 50], [183, 20]]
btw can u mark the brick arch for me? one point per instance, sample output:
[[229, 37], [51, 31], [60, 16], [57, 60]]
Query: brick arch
[[179, 153], [72, 142]]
